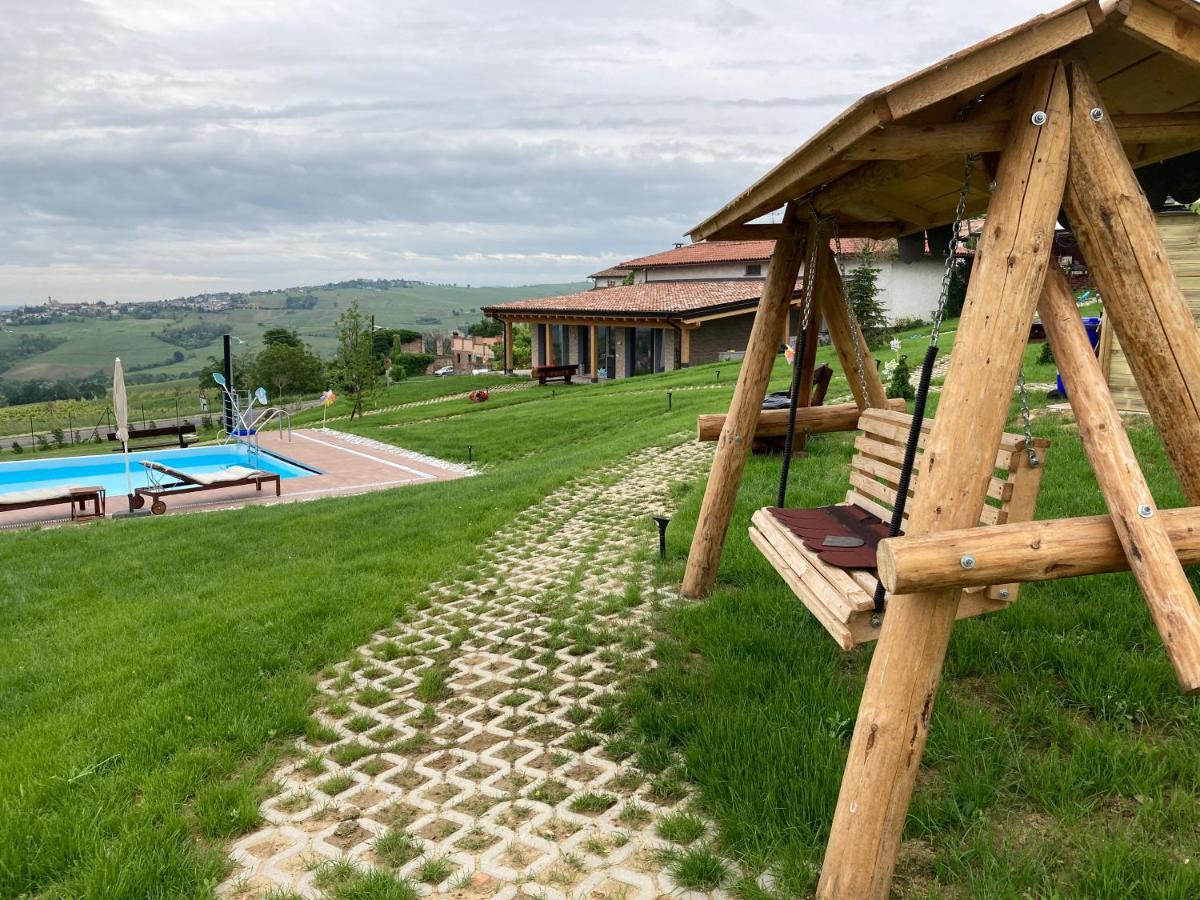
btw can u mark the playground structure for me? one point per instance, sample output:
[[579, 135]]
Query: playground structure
[[1053, 117]]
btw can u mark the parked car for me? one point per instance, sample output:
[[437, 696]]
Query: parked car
[[444, 371]]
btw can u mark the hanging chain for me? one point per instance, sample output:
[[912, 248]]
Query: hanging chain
[[1027, 419], [859, 364], [952, 251]]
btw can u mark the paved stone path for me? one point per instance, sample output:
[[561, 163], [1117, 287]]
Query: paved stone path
[[475, 747]]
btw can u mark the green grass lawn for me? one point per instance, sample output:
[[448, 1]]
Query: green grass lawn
[[155, 669]]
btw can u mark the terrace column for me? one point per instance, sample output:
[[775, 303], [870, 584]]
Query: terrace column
[[594, 352], [508, 348]]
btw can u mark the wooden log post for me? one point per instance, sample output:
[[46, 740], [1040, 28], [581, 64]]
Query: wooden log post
[[1141, 529], [508, 348], [725, 477], [1126, 257], [1022, 552], [813, 419], [832, 304], [893, 718]]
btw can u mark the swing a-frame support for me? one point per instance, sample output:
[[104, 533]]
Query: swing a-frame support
[[1055, 140]]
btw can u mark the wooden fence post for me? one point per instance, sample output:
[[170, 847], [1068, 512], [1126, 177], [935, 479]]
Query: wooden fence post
[[893, 718]]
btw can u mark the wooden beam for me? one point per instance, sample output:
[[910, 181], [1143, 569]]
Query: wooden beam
[[508, 348], [594, 352], [893, 718], [549, 333], [1167, 25], [845, 333], [767, 232], [725, 477], [901, 142], [814, 419], [1126, 258], [1022, 552], [685, 347], [1140, 528]]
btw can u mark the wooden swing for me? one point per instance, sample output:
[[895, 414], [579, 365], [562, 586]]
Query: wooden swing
[[1061, 110], [827, 556]]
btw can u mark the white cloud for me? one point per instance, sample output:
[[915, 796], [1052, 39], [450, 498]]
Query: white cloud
[[157, 147]]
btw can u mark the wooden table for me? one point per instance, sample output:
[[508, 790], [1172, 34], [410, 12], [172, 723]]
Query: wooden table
[[80, 497]]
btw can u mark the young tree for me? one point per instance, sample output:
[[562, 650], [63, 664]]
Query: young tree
[[900, 384], [862, 287], [522, 353], [355, 363]]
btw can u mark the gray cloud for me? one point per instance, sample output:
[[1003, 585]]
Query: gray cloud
[[154, 148]]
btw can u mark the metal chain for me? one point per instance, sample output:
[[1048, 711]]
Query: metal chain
[[952, 251], [859, 364], [1027, 420]]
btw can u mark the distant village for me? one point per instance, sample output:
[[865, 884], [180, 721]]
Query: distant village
[[293, 298]]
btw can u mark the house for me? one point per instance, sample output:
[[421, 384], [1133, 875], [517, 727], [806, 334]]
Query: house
[[607, 278], [685, 306], [468, 352]]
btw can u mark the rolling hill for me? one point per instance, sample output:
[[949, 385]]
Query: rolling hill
[[85, 345]]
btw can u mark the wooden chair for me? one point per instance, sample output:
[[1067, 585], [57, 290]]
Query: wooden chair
[[843, 599]]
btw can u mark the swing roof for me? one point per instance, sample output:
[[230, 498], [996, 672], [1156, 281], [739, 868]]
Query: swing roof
[[892, 163]]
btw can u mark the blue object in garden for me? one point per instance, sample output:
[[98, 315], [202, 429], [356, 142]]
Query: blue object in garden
[[1091, 324]]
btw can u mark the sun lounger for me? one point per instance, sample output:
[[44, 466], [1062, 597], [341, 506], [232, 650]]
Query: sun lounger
[[54, 496], [185, 483]]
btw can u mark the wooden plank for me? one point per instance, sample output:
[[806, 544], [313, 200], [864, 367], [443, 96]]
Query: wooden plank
[[893, 718], [884, 460], [1140, 529], [838, 630], [1022, 552], [594, 352], [725, 476], [846, 228], [508, 347], [1163, 25], [895, 426], [901, 142], [1130, 265], [845, 597]]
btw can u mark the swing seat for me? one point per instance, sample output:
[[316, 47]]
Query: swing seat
[[841, 596]]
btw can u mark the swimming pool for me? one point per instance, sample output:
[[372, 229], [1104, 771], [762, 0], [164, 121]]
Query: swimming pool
[[108, 471]]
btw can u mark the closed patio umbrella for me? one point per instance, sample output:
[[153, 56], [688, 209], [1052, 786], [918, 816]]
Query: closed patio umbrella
[[121, 412]]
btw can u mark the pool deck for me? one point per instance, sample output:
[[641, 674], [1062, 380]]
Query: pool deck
[[348, 465]]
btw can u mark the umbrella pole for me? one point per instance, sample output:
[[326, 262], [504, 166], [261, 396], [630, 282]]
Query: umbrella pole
[[128, 477]]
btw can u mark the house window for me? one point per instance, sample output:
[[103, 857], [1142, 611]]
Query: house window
[[753, 271]]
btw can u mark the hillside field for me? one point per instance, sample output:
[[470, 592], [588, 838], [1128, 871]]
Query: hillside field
[[92, 344]]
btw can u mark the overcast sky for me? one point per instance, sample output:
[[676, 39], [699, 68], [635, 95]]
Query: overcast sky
[[155, 148]]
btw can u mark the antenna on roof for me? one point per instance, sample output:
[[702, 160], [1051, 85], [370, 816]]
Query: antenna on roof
[[679, 245]]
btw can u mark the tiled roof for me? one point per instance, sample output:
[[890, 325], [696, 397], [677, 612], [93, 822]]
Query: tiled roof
[[743, 251], [655, 299], [614, 272], [706, 252]]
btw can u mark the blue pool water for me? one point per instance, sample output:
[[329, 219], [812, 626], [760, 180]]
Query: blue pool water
[[109, 470]]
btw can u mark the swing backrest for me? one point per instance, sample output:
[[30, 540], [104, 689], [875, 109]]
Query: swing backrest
[[879, 453]]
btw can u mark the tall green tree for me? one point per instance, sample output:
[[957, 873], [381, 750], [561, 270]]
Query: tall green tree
[[355, 364], [522, 341], [285, 336], [486, 327], [289, 368], [862, 288]]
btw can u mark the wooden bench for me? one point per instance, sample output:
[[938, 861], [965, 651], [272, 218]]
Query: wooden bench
[[842, 599], [547, 373], [184, 435]]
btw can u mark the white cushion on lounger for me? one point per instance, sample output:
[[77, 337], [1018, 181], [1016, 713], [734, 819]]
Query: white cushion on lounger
[[233, 473], [36, 495]]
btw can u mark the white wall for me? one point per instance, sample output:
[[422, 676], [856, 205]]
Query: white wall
[[906, 289]]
